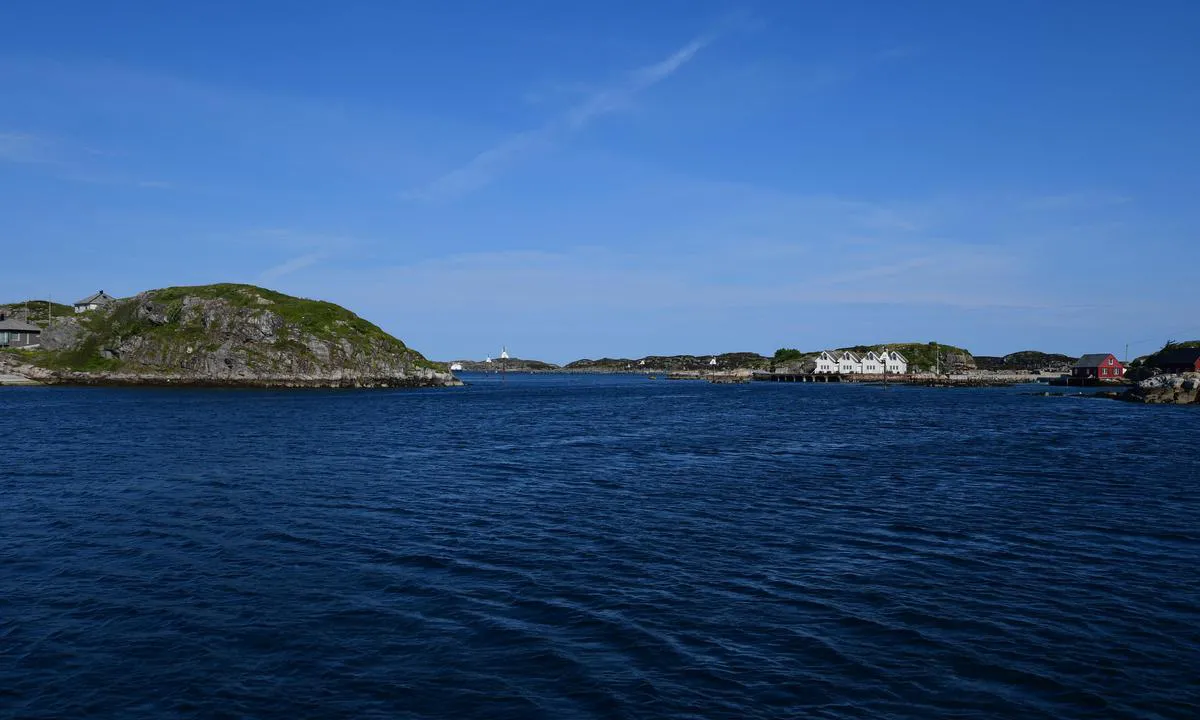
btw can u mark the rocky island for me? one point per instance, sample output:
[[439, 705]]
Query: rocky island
[[222, 335]]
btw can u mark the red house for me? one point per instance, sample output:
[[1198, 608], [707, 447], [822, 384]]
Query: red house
[[1100, 366]]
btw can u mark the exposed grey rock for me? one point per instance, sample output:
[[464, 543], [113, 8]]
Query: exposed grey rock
[[205, 340], [1181, 389], [62, 333]]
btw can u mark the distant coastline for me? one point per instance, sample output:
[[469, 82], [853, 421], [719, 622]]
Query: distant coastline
[[923, 357]]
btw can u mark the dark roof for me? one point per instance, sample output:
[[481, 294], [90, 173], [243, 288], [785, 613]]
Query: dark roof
[[10, 324], [1182, 356], [1093, 360], [96, 298]]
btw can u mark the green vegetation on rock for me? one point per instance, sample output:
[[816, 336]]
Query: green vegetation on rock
[[673, 363], [1026, 361], [35, 310], [1145, 360], [312, 316], [787, 355], [230, 333]]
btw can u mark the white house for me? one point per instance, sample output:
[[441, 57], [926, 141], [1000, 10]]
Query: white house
[[849, 363], [894, 362], [826, 363], [92, 302], [871, 363]]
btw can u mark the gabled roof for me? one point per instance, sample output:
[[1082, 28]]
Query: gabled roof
[[895, 355], [11, 324], [1181, 356], [97, 298], [1092, 360], [852, 356]]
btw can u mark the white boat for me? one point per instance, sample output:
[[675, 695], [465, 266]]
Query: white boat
[[456, 367]]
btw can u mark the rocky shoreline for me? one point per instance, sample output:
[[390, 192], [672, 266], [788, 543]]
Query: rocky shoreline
[[1178, 389], [24, 374]]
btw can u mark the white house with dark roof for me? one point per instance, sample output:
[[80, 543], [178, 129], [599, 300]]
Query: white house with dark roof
[[849, 363], [93, 302], [826, 363], [871, 364], [893, 362]]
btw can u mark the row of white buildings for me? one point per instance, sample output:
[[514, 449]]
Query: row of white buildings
[[870, 363]]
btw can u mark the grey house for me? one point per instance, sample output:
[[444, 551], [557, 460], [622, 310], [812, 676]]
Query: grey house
[[18, 333], [92, 302]]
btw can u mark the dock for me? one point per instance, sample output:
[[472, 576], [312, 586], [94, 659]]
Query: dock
[[917, 380], [1069, 381], [799, 377]]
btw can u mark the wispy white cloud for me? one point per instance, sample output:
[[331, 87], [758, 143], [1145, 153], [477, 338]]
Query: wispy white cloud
[[487, 165], [612, 99], [20, 147], [290, 266], [875, 272], [61, 160], [1076, 201]]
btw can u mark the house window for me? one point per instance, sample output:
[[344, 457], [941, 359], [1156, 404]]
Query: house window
[[1104, 371], [1111, 360]]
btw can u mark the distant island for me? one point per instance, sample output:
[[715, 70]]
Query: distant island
[[921, 357], [209, 335]]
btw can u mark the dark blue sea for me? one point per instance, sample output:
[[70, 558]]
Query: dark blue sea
[[597, 547]]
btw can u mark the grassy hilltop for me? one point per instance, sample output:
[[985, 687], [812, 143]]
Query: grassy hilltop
[[228, 333], [37, 310]]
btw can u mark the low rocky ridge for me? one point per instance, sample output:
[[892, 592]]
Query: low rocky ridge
[[672, 363], [224, 335], [517, 365], [1026, 361], [1144, 367], [1181, 389], [921, 357], [38, 312]]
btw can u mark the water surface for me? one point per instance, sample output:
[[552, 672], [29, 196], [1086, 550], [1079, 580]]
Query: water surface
[[597, 547]]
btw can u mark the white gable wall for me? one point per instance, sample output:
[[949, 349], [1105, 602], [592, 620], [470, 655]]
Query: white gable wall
[[895, 363], [826, 363], [849, 364], [871, 364]]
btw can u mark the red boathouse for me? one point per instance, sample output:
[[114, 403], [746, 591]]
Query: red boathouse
[[1099, 366]]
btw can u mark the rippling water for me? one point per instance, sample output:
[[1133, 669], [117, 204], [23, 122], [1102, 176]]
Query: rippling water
[[597, 548]]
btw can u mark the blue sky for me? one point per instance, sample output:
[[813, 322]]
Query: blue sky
[[620, 178]]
